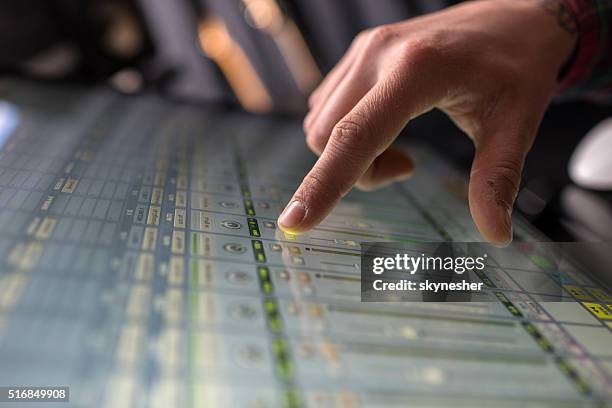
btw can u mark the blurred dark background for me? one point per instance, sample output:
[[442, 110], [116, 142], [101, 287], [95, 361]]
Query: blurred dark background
[[267, 56]]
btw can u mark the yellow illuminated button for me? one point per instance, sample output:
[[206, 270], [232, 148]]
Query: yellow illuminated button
[[150, 239], [25, 256], [178, 242], [172, 307], [177, 271], [33, 226], [600, 294], [46, 228], [145, 267], [578, 292], [409, 332], [181, 198], [70, 185], [157, 196], [11, 288], [598, 310], [154, 215], [199, 201], [179, 218], [294, 250], [200, 221]]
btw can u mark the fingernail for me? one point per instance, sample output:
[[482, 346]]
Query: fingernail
[[403, 177], [293, 215]]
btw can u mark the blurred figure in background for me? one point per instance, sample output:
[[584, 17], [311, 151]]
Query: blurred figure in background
[[266, 55]]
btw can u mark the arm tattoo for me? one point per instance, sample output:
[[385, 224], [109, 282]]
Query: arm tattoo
[[565, 16]]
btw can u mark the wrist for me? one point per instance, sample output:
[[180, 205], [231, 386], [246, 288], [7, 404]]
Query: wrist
[[565, 37], [547, 29]]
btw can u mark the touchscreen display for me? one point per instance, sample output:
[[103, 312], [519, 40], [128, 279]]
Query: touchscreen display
[[141, 265]]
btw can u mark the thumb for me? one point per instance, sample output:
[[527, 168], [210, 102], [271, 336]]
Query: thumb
[[494, 183]]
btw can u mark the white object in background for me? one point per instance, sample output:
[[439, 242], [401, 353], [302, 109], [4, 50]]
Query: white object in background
[[591, 162], [9, 120], [588, 215]]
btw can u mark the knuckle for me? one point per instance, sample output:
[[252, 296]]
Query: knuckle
[[381, 35], [422, 50], [351, 136], [361, 36]]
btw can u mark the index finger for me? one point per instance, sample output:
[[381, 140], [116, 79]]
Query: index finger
[[361, 136]]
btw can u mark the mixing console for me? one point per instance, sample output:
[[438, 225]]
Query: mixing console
[[141, 265]]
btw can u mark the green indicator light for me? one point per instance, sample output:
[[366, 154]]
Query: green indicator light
[[279, 346], [260, 255], [267, 288], [248, 206], [275, 324], [508, 304], [542, 342], [541, 261], [530, 328], [485, 279], [194, 240], [281, 370], [263, 272], [285, 370], [291, 399], [253, 227], [194, 272], [270, 306]]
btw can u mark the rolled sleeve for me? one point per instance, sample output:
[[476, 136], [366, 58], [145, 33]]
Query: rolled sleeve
[[590, 71]]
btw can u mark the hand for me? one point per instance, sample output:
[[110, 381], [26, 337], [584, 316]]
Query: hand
[[490, 65]]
